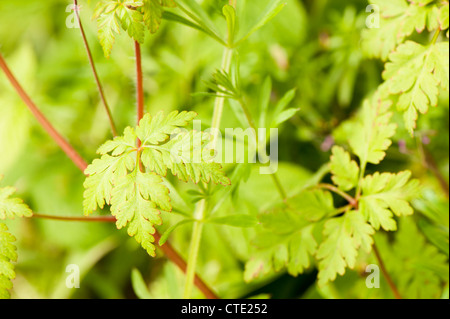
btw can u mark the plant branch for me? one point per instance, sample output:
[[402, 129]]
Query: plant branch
[[436, 36], [139, 83], [167, 248], [344, 195], [386, 274], [94, 71], [63, 144], [82, 165], [279, 186], [104, 219]]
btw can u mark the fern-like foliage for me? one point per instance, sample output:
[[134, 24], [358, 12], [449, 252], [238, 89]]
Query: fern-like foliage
[[9, 209], [415, 73], [418, 268], [132, 16], [8, 255], [400, 19], [12, 207], [344, 230], [129, 177]]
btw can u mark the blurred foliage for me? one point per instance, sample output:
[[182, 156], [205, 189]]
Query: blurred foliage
[[312, 46]]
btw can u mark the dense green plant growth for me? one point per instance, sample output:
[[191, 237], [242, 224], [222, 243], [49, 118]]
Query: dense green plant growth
[[357, 95]]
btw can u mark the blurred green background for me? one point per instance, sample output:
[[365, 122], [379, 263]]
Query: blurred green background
[[313, 46]]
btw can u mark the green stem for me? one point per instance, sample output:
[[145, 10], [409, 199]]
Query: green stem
[[201, 205], [279, 186], [220, 100], [194, 248], [436, 36], [361, 177]]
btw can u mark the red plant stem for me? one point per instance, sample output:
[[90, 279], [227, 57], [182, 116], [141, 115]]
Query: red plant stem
[[105, 219], [168, 250], [94, 71], [139, 83], [386, 273], [65, 146], [352, 201]]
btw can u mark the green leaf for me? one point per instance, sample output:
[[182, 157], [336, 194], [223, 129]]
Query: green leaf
[[157, 129], [285, 238], [170, 16], [437, 235], [136, 197], [279, 113], [12, 207], [194, 11], [415, 72], [416, 267], [374, 130], [131, 21], [103, 175], [444, 17], [107, 24], [344, 237], [152, 14], [270, 12], [399, 19], [242, 221], [134, 203], [345, 172], [169, 231], [385, 195], [230, 15], [312, 205], [284, 116], [8, 255], [188, 156], [139, 286], [275, 252], [132, 16]]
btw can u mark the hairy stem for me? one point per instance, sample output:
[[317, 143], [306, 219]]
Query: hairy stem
[[94, 71], [82, 165], [63, 144], [139, 83], [385, 273]]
